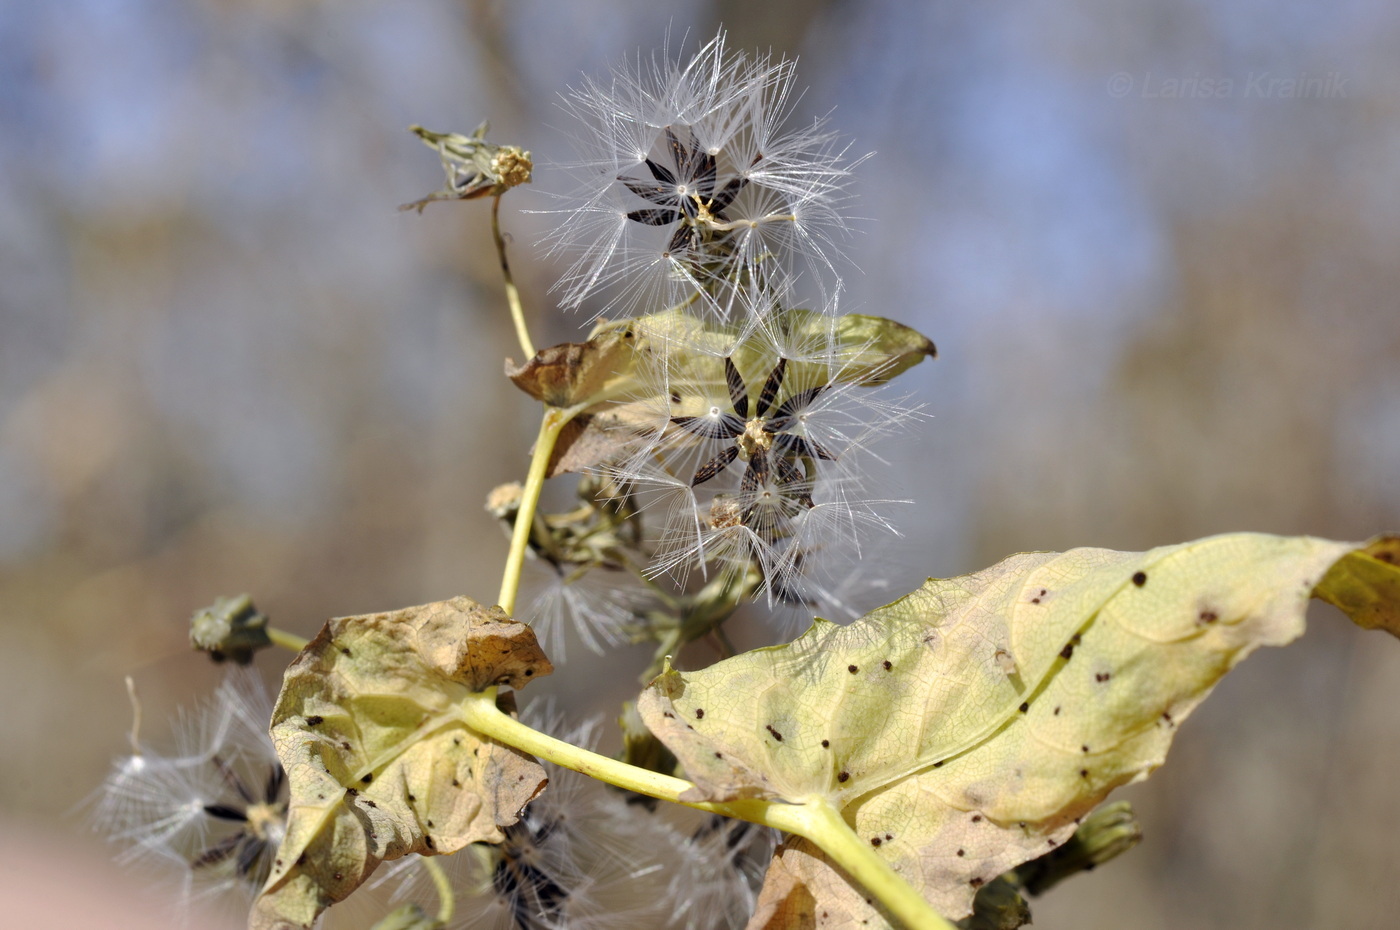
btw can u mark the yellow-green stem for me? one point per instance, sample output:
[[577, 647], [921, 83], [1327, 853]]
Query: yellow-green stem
[[554, 420], [517, 312], [480, 713], [286, 640], [823, 825], [814, 818], [447, 901]]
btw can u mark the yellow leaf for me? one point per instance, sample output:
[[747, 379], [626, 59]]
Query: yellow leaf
[[378, 759], [964, 729]]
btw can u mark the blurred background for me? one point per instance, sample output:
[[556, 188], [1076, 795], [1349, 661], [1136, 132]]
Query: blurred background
[[1156, 245]]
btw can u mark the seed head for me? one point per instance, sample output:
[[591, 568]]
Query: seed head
[[690, 188], [214, 812]]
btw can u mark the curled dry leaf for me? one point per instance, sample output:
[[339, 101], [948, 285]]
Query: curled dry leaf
[[964, 729], [378, 759], [593, 439], [574, 373]]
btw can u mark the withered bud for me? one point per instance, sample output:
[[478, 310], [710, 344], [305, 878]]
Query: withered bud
[[474, 167], [230, 628]]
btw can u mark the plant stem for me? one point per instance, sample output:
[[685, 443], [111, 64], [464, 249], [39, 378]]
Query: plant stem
[[447, 901], [286, 640], [482, 715], [517, 312], [823, 824], [553, 422], [814, 818]]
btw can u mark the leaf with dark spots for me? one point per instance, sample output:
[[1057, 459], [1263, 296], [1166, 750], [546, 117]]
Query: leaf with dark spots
[[395, 704], [948, 752]]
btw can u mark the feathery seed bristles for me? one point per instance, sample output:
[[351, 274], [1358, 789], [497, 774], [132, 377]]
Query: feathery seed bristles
[[753, 447], [690, 186], [726, 861], [583, 857], [597, 601], [214, 812]]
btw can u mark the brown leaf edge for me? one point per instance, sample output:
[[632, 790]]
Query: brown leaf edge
[[341, 826]]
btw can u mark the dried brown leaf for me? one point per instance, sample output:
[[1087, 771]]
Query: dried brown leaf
[[573, 373], [379, 761]]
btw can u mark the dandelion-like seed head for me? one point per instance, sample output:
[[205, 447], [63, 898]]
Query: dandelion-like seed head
[[214, 812], [691, 188], [756, 448]]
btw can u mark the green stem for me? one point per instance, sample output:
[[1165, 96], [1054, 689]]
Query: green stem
[[824, 826], [517, 312], [447, 901], [480, 713], [550, 426], [286, 640], [813, 818]]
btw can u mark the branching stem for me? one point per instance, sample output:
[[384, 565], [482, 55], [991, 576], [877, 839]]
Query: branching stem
[[517, 312], [823, 825], [815, 818], [555, 418]]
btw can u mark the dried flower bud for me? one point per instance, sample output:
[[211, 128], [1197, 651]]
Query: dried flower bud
[[1105, 834], [230, 628], [474, 167]]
